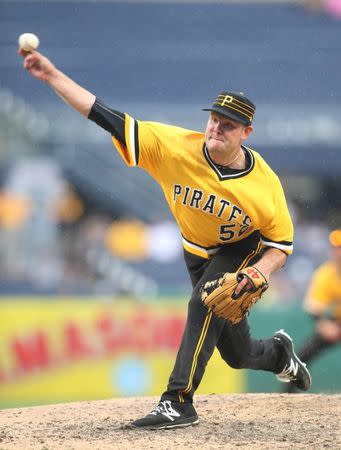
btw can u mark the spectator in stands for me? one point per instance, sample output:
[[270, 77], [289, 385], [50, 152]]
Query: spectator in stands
[[323, 304], [331, 7]]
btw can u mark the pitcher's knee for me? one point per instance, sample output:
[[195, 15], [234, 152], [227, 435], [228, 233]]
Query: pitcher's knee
[[235, 361], [238, 363]]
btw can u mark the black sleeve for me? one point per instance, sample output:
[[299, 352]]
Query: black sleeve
[[109, 119]]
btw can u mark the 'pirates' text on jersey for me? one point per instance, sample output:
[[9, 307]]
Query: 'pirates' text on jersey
[[211, 209]]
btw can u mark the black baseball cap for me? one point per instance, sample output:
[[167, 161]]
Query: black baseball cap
[[234, 105]]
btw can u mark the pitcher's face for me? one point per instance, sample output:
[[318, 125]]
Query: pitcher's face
[[224, 134]]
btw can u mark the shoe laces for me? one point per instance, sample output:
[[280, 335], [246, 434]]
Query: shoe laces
[[164, 407], [290, 371]]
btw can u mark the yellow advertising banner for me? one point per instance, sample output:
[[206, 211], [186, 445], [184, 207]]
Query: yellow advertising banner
[[81, 349]]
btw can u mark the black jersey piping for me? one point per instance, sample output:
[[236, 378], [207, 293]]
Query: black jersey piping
[[136, 138], [265, 239], [219, 246], [223, 177], [213, 247]]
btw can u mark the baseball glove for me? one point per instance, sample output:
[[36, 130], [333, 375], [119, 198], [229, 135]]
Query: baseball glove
[[219, 295]]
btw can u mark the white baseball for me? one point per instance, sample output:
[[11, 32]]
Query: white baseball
[[28, 41]]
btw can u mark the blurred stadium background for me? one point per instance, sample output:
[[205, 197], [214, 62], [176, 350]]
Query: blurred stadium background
[[93, 287]]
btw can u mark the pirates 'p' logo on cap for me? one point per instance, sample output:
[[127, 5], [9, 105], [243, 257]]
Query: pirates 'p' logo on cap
[[226, 99], [234, 105]]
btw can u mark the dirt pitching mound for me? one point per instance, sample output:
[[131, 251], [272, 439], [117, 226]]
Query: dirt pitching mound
[[249, 421]]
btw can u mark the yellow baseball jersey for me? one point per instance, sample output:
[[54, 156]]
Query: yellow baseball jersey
[[324, 291], [211, 209]]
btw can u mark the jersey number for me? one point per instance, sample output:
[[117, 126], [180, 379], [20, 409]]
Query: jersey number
[[226, 232]]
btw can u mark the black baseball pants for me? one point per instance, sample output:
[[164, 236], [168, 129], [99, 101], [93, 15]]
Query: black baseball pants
[[204, 331]]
